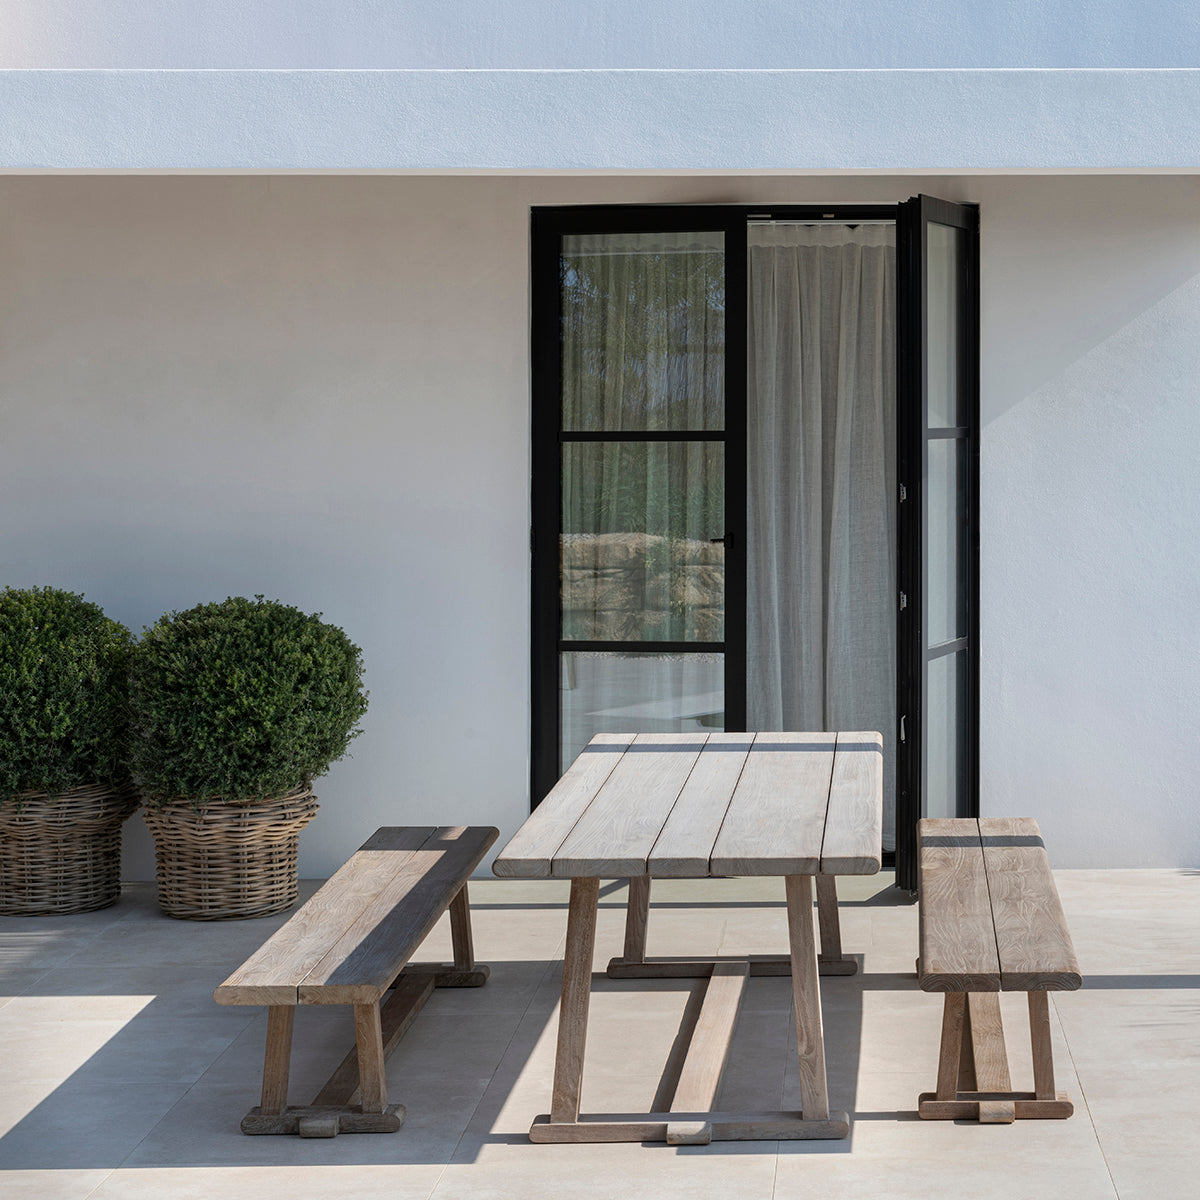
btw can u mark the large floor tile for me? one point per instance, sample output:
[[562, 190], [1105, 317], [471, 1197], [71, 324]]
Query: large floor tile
[[79, 1124], [297, 1181], [50, 1184]]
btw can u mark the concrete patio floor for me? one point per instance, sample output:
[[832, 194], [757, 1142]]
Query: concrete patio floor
[[122, 1080]]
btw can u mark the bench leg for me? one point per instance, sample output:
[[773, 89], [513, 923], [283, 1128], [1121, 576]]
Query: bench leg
[[949, 1079], [973, 1078], [278, 1057], [460, 931], [1039, 1036], [368, 1037]]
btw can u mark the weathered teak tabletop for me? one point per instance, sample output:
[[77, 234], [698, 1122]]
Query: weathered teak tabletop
[[800, 805]]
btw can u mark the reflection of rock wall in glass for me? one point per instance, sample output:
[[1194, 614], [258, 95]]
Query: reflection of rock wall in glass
[[642, 587]]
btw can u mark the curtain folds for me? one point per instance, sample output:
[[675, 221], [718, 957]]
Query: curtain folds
[[821, 616]]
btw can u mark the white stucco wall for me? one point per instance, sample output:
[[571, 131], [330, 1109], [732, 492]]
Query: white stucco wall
[[317, 388]]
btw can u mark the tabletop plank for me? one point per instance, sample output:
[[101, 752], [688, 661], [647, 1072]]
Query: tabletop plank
[[1031, 932], [616, 832], [776, 819], [529, 854], [685, 845], [854, 822]]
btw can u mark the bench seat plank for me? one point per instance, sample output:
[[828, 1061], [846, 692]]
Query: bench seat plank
[[274, 972], [360, 965], [957, 935], [1032, 940]]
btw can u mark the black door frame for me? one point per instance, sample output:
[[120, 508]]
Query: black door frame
[[547, 228], [912, 434]]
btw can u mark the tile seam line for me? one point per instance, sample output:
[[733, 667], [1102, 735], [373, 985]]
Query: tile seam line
[[492, 1078], [1083, 1097], [92, 1191]]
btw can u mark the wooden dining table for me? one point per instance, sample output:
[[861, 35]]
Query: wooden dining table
[[804, 806]]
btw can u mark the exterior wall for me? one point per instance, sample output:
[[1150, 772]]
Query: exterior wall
[[317, 388], [615, 34], [815, 122]]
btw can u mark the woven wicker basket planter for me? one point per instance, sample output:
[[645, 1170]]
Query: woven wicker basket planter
[[62, 854], [219, 862]]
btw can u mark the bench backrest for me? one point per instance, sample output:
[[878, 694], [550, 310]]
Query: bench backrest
[[350, 940], [991, 919]]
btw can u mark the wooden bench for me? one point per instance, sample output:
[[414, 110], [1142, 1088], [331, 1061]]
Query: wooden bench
[[349, 944], [991, 922]]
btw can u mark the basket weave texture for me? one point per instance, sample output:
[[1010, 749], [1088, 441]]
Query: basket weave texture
[[62, 854], [224, 861]]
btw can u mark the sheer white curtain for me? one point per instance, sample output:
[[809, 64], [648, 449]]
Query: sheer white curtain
[[821, 616]]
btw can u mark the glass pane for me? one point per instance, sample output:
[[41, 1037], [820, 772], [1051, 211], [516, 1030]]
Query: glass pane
[[946, 515], [944, 400], [638, 693], [637, 552], [643, 331], [946, 731]]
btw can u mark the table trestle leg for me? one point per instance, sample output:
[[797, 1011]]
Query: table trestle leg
[[633, 963], [460, 931], [806, 998], [637, 915], [576, 994], [831, 960], [683, 1103], [973, 1075]]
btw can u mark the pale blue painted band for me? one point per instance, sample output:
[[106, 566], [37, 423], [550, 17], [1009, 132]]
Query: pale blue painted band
[[890, 121]]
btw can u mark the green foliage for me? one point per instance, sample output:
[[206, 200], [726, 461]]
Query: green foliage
[[63, 692], [240, 700]]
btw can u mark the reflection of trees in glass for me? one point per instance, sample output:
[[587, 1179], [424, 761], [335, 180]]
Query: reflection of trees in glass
[[676, 489], [643, 348], [643, 337], [638, 556]]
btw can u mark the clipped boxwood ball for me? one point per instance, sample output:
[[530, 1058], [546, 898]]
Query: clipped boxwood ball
[[239, 700], [63, 692]]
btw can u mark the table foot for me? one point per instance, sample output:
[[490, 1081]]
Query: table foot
[[701, 968], [690, 1129], [323, 1120]]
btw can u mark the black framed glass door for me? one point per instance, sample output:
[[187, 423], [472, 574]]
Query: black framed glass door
[[938, 445], [638, 607]]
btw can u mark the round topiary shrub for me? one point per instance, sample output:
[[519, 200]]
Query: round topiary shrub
[[63, 693], [64, 788], [240, 700]]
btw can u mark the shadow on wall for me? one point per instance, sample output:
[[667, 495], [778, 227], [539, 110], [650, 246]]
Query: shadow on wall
[[1067, 263]]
